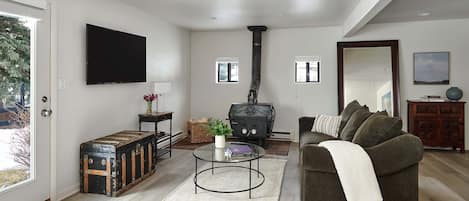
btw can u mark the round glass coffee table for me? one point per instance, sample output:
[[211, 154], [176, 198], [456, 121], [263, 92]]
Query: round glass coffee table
[[231, 156]]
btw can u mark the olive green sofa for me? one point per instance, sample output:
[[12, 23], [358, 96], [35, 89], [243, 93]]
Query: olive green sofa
[[395, 156]]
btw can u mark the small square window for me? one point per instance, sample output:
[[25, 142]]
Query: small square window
[[307, 69], [227, 71]]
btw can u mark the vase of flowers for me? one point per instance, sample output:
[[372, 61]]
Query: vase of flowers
[[220, 130], [149, 99]]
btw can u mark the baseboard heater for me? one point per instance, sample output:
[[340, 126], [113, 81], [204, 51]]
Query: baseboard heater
[[280, 135]]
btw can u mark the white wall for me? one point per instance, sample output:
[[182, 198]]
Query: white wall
[[444, 35], [294, 100], [88, 112], [280, 46]]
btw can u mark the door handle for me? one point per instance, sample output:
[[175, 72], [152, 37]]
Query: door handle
[[46, 112]]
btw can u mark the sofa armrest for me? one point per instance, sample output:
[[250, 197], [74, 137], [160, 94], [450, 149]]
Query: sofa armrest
[[318, 159], [396, 154], [306, 124], [388, 157]]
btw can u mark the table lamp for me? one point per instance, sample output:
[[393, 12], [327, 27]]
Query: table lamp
[[160, 89]]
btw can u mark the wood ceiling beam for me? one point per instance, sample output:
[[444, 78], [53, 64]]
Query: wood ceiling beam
[[362, 14]]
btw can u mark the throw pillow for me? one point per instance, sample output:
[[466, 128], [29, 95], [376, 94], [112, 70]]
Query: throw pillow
[[347, 113], [377, 129], [326, 124], [355, 121]]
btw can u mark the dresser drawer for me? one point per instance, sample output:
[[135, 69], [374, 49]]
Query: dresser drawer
[[451, 109], [427, 129], [451, 129], [426, 109]]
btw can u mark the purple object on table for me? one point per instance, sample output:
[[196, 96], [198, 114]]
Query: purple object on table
[[240, 149]]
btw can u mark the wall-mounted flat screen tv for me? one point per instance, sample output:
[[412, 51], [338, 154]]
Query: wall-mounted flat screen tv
[[114, 56]]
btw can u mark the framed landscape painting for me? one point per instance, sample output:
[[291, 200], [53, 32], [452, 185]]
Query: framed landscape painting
[[431, 68]]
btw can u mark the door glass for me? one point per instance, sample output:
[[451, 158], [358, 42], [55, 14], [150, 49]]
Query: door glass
[[15, 131]]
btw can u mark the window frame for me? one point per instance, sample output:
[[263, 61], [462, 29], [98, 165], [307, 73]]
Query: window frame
[[229, 63], [308, 71]]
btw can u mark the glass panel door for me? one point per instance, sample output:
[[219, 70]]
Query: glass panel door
[[15, 102], [24, 81]]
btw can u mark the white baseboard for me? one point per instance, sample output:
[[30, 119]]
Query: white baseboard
[[68, 192], [74, 189]]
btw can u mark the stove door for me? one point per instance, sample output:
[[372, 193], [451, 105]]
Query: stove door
[[249, 127]]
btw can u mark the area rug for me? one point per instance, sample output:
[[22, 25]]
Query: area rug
[[233, 179], [273, 147]]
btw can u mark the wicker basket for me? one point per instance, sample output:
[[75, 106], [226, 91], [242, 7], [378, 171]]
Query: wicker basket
[[198, 131]]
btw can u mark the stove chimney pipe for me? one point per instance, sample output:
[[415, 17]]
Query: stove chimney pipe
[[256, 62]]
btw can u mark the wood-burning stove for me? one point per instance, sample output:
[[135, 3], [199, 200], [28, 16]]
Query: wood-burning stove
[[253, 120]]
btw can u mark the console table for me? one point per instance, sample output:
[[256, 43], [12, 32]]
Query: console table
[[157, 117]]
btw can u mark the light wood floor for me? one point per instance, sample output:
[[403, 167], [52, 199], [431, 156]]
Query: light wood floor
[[444, 176]]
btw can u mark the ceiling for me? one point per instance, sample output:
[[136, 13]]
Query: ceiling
[[418, 10], [237, 14]]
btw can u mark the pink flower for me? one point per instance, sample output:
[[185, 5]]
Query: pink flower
[[150, 97]]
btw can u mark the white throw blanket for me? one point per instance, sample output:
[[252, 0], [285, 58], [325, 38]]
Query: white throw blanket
[[355, 171]]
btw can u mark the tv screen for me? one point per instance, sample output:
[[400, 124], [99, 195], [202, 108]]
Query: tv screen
[[114, 56]]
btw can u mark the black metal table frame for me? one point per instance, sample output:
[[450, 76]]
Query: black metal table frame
[[259, 173], [156, 119]]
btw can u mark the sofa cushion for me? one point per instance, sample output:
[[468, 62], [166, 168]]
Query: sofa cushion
[[327, 124], [377, 129], [355, 121], [382, 113], [314, 138], [347, 113], [306, 124]]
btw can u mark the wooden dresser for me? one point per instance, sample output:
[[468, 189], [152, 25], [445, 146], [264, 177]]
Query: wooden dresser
[[438, 124]]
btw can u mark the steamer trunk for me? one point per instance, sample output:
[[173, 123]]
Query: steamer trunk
[[111, 165]]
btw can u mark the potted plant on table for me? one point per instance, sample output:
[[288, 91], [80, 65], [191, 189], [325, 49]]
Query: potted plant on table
[[220, 130]]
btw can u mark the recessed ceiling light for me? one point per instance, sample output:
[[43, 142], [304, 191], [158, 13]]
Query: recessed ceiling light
[[423, 14]]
